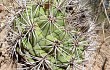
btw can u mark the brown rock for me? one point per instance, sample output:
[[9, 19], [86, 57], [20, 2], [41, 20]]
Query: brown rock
[[2, 8]]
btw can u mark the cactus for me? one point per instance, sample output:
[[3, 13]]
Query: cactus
[[49, 37]]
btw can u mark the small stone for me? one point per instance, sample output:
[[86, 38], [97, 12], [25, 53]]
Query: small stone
[[2, 8]]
